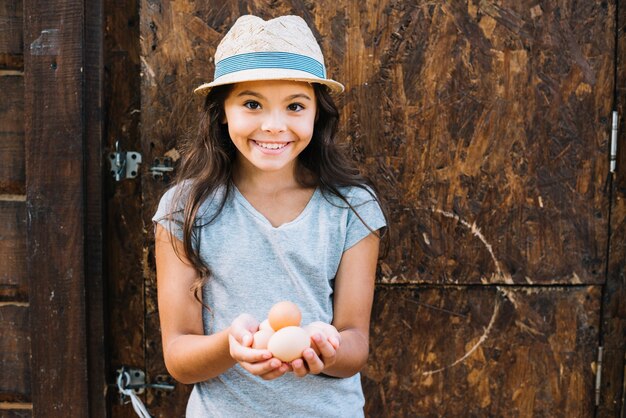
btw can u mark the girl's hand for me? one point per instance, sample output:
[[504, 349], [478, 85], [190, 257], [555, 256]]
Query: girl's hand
[[325, 341], [257, 362]]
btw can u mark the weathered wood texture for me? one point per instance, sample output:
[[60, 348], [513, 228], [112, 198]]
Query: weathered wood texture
[[493, 113], [94, 207], [14, 352], [15, 413], [13, 281], [54, 120], [482, 351], [614, 304], [11, 35], [124, 230], [12, 134], [483, 124]]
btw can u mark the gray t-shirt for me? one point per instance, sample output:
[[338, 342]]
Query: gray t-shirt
[[254, 265]]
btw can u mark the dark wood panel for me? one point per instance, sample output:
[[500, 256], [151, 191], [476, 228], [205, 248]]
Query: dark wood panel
[[12, 134], [94, 208], [13, 279], [54, 120], [482, 351], [124, 226], [614, 308], [14, 352], [11, 35], [16, 413]]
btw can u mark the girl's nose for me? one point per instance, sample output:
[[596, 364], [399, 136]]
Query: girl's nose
[[274, 122]]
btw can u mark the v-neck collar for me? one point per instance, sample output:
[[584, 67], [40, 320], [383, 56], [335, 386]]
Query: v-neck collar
[[246, 204]]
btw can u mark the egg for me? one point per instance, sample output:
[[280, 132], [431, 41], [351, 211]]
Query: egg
[[327, 330], [266, 326], [284, 314], [260, 338], [312, 329], [287, 343]]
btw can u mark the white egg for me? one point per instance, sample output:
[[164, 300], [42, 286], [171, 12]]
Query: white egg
[[287, 344], [261, 338], [265, 325]]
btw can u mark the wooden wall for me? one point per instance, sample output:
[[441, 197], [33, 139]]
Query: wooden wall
[[485, 125], [15, 350]]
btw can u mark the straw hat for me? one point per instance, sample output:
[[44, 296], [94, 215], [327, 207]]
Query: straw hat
[[278, 49]]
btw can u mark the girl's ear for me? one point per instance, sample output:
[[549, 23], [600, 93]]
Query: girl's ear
[[223, 119]]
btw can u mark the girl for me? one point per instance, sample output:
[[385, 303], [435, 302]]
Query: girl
[[267, 209]]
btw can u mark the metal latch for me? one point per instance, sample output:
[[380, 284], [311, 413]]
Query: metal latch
[[135, 381], [161, 168], [124, 165], [613, 157]]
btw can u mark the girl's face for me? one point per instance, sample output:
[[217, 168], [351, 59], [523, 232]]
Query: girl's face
[[270, 122]]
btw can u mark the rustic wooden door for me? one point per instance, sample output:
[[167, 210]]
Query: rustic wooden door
[[485, 124]]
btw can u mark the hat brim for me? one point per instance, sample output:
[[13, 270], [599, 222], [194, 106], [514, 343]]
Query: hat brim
[[267, 74]]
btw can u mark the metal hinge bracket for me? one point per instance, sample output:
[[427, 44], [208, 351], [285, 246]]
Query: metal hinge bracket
[[124, 165]]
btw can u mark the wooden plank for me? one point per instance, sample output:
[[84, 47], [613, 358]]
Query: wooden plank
[[482, 351], [12, 134], [13, 280], [94, 209], [55, 205], [613, 391], [124, 228], [15, 352], [11, 35], [15, 413]]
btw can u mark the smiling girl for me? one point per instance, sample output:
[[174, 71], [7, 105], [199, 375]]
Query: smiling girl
[[266, 208]]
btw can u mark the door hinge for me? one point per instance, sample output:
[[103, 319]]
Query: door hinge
[[598, 375], [614, 127], [124, 165]]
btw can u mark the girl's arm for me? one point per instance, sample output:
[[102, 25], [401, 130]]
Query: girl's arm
[[354, 294], [190, 356]]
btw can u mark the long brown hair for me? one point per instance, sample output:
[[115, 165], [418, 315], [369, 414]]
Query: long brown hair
[[207, 162]]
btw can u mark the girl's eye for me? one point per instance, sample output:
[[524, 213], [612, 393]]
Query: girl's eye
[[295, 107], [252, 105]]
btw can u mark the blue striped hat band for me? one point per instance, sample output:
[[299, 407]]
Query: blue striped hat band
[[277, 60]]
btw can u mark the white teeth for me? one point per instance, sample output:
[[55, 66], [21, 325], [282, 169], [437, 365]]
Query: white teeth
[[270, 145]]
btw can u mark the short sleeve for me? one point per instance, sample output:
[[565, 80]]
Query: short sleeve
[[368, 209], [171, 220]]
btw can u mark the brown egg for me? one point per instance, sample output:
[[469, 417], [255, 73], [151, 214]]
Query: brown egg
[[260, 339], [288, 343], [284, 314]]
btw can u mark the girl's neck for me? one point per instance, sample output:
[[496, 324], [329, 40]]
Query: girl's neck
[[249, 179]]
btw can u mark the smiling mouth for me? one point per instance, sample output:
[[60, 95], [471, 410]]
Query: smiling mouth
[[271, 145]]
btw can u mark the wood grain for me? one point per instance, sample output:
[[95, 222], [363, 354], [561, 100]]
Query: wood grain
[[482, 351], [94, 208], [53, 80], [12, 134], [124, 226], [13, 279], [614, 306], [15, 413], [11, 35], [15, 352]]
